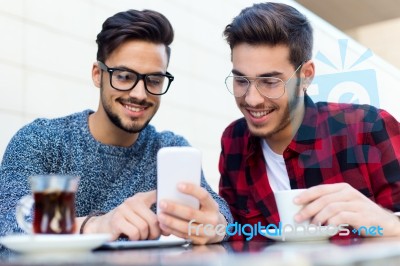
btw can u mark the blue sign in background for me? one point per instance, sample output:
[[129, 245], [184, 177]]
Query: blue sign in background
[[363, 91]]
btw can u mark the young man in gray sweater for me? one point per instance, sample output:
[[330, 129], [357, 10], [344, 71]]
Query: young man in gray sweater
[[113, 150]]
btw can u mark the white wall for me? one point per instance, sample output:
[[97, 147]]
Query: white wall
[[47, 49]]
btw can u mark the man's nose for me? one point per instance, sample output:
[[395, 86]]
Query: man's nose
[[139, 91], [253, 97]]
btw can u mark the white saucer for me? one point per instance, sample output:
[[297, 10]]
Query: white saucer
[[312, 234], [163, 241], [54, 243]]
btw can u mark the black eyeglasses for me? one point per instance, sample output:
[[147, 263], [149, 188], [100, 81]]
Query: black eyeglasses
[[126, 79]]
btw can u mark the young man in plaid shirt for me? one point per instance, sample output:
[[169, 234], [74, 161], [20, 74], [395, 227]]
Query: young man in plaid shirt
[[348, 155]]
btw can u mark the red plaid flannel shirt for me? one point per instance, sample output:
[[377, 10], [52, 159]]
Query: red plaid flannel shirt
[[356, 144]]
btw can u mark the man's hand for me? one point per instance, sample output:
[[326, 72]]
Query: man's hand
[[133, 218], [175, 218], [342, 204]]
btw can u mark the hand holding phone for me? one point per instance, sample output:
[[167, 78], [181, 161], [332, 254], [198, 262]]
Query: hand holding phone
[[176, 165]]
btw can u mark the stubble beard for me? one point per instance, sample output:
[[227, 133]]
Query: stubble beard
[[134, 126], [287, 118]]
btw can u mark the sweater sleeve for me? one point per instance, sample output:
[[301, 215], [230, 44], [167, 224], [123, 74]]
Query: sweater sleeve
[[25, 155], [223, 206]]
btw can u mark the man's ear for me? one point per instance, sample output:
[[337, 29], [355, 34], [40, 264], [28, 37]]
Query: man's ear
[[96, 75], [308, 72]]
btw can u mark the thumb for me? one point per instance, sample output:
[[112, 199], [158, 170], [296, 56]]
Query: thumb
[[150, 197]]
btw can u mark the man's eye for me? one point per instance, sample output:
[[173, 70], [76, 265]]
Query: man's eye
[[124, 76], [155, 80], [241, 81], [269, 82]]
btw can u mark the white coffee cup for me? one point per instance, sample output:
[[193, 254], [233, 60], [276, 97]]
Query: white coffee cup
[[287, 208]]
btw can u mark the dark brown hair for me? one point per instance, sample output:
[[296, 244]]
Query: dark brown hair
[[272, 24], [147, 25]]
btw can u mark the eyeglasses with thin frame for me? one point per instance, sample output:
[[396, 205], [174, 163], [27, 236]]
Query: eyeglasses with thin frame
[[123, 79], [270, 87]]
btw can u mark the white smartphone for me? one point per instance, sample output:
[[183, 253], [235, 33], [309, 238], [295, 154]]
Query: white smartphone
[[175, 165]]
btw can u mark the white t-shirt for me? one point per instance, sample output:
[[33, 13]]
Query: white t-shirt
[[276, 168]]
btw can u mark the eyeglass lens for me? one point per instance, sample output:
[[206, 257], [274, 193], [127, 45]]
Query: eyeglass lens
[[268, 86], [126, 80]]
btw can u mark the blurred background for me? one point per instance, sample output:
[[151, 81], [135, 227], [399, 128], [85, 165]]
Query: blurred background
[[47, 49]]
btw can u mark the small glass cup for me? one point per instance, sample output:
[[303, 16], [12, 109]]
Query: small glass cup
[[53, 200]]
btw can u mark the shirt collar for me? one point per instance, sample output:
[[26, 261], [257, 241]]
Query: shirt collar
[[305, 138]]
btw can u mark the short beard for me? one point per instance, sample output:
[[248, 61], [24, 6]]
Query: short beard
[[118, 123], [288, 116], [115, 119]]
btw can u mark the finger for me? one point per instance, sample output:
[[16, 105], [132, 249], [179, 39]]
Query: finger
[[164, 233], [187, 213], [133, 212], [345, 217], [316, 192], [170, 231], [147, 224], [150, 197], [199, 240], [165, 230], [174, 223], [126, 228], [179, 210], [139, 223], [206, 201], [345, 194], [313, 208], [129, 217], [332, 210], [147, 221], [152, 225]]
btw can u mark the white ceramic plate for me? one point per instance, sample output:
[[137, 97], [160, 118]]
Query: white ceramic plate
[[312, 234], [162, 242], [54, 243]]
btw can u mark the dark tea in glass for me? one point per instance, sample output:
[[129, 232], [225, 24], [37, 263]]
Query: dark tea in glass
[[54, 212], [53, 200]]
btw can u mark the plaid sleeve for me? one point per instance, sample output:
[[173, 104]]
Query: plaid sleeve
[[229, 163], [385, 175], [226, 190]]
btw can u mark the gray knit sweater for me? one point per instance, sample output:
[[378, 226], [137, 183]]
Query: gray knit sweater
[[109, 174]]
